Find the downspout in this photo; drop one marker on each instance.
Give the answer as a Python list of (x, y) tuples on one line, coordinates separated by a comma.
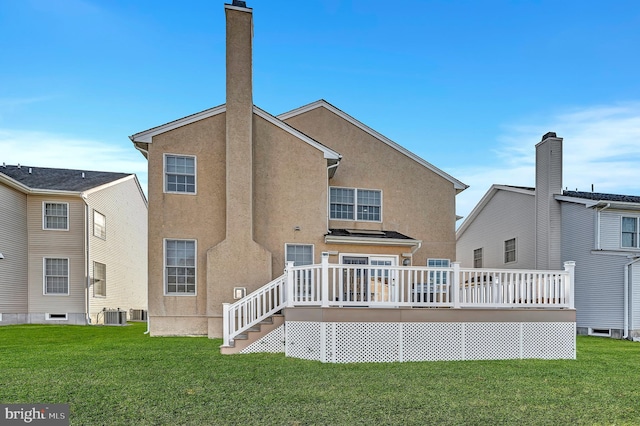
[(329, 191), (86, 221), (627, 270), (598, 225)]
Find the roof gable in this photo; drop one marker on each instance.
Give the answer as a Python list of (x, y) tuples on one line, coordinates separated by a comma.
[(487, 197), (146, 136), (458, 185)]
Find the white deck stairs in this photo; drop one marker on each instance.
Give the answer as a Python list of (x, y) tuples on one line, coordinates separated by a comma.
[(252, 334)]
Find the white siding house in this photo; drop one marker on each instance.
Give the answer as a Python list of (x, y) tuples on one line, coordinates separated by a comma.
[(73, 245), (600, 232)]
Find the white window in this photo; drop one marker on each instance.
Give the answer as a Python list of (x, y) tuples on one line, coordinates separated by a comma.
[(300, 254), (180, 174), (99, 279), (55, 216), (56, 276), (438, 277), (99, 225), (180, 267), (353, 203), (630, 230), (510, 251), (477, 258)]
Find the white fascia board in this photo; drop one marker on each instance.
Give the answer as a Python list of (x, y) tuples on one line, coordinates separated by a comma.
[(35, 191), (587, 203), (330, 239), (328, 152), (322, 103), (117, 182), (147, 135)]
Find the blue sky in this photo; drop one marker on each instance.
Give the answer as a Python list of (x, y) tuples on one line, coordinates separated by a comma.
[(470, 86)]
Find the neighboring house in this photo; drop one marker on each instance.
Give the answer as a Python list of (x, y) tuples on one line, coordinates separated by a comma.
[(539, 228), (235, 193), (73, 243)]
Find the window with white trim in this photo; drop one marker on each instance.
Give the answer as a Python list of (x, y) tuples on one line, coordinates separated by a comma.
[(355, 204), (56, 276), (99, 279), (180, 267), (180, 174), (630, 229), (438, 277), (300, 254), (99, 225), (55, 216), (477, 258), (510, 251)]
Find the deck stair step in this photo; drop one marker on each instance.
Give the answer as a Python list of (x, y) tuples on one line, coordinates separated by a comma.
[(253, 334)]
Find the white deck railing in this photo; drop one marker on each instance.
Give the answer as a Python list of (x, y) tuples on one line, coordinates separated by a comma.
[(338, 285)]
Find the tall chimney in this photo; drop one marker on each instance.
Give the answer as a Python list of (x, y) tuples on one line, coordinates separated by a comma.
[(239, 118), (548, 217), (238, 260)]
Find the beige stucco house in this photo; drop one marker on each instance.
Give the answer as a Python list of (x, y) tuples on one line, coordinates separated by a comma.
[(72, 244), (235, 192)]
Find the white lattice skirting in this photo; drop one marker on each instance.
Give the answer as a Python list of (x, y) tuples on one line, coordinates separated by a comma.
[(341, 342)]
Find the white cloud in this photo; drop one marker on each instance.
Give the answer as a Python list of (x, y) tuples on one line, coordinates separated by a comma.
[(601, 148), (41, 149)]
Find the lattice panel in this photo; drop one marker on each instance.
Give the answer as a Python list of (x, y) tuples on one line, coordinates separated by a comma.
[(433, 341), (302, 340), (491, 340), (549, 340), (364, 342), (272, 342)]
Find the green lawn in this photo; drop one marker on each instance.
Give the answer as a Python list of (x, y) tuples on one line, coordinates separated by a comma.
[(119, 376)]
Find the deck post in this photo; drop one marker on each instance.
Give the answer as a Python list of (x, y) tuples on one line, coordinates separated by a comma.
[(456, 284), (225, 324), (289, 285), (570, 267), (325, 279)]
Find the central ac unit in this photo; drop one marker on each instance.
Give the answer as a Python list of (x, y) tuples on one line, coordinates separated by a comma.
[(138, 314), (115, 317)]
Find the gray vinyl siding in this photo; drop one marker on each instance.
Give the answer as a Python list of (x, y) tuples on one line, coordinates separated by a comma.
[(56, 244), (13, 246), (599, 277), (507, 215), (124, 250), (634, 282)]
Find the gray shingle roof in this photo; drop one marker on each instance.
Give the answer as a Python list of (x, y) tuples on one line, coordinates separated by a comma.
[(59, 179), (597, 196)]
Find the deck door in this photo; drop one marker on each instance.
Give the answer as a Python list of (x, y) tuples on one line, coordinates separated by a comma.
[(369, 284)]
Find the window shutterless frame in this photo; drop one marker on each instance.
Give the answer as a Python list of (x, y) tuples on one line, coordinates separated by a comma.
[(55, 274), (55, 216), (99, 225), (355, 204), (180, 174), (179, 267)]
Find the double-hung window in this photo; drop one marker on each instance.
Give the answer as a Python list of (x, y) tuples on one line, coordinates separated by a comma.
[(510, 251), (180, 174), (300, 254), (99, 225), (99, 279), (55, 216), (56, 276), (355, 204), (477, 258), (180, 267), (630, 230)]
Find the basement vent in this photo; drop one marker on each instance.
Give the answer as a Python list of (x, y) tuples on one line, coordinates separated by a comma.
[(603, 332), (138, 314), (115, 317), (56, 317)]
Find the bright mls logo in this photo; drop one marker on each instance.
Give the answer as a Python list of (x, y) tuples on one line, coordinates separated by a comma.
[(35, 414)]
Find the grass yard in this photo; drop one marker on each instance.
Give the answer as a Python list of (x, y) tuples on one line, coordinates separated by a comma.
[(119, 376)]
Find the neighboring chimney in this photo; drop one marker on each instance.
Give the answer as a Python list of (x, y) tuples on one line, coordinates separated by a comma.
[(548, 216), (239, 121)]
